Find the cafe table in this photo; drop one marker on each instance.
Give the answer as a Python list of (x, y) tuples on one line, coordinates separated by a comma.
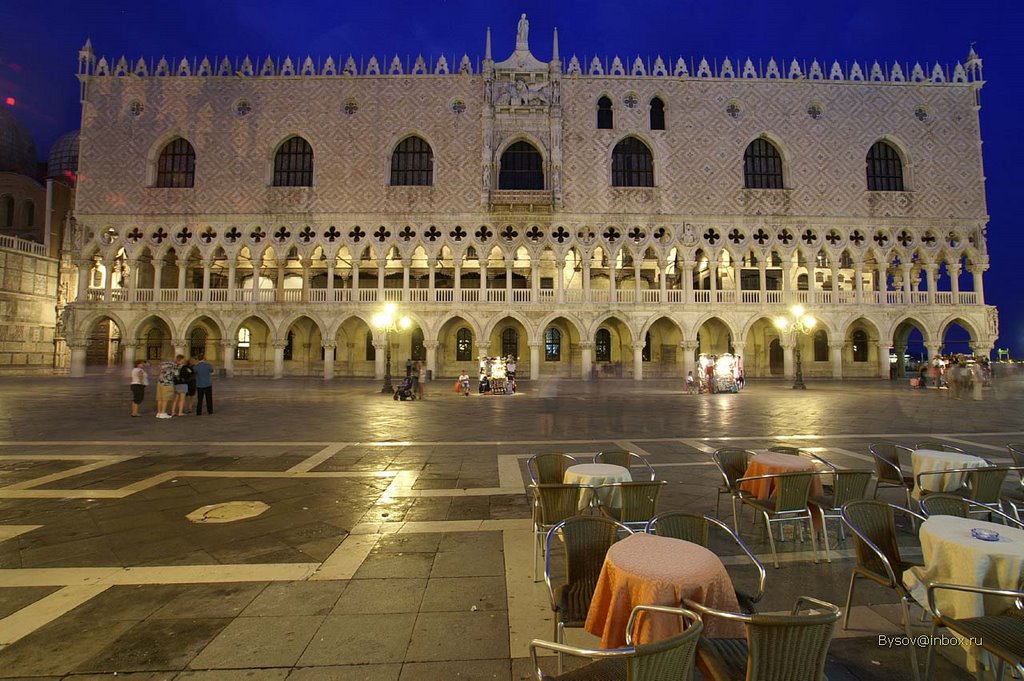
[(770, 463), (928, 460), (594, 475)]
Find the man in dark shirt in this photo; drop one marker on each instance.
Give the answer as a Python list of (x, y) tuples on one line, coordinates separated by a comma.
[(203, 371)]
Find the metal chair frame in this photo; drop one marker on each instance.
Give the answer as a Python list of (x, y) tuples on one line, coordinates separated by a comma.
[(969, 488), (537, 473), (627, 513), (841, 494), (941, 447), (966, 505), (601, 457), (730, 485), (1014, 500), (544, 519), (889, 472), (786, 509)]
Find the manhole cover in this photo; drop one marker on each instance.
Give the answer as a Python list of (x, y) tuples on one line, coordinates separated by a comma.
[(228, 512)]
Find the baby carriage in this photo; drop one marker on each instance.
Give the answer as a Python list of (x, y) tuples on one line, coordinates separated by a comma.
[(404, 391)]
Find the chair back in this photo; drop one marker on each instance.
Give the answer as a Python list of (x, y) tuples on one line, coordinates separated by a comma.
[(849, 485), (790, 646), (731, 463), (691, 527), (557, 502), (792, 491), (940, 447), (547, 469), (585, 541), (986, 484), (784, 449), (873, 521), (670, 658), (1016, 450), (887, 461), (945, 504), (639, 500), (628, 460)]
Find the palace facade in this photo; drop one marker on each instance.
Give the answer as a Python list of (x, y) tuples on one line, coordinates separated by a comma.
[(594, 218)]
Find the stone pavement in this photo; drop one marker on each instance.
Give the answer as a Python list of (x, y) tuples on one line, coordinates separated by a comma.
[(396, 541)]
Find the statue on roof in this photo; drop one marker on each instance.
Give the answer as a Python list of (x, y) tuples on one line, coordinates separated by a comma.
[(522, 33)]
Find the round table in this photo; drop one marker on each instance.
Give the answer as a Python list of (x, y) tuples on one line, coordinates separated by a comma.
[(593, 475), (768, 463), (645, 569), (925, 460)]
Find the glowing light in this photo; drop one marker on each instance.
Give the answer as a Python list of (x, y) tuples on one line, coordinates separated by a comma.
[(405, 322), (798, 311), (809, 321), (10, 101), (781, 323)]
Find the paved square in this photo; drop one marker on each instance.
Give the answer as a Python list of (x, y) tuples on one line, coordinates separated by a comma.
[(397, 541)]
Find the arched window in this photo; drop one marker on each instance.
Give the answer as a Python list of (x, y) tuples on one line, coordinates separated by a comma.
[(885, 168), (860, 346), (293, 163), (464, 345), (28, 213), (510, 343), (371, 352), (412, 163), (197, 342), (176, 166), (762, 165), (521, 167), (820, 346), (657, 114), (801, 282), (154, 344), (552, 345), (417, 351), (242, 343), (7, 210), (645, 355), (632, 164), (289, 348), (604, 114), (603, 346)]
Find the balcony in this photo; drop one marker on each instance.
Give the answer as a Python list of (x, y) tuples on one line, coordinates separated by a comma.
[(515, 200)]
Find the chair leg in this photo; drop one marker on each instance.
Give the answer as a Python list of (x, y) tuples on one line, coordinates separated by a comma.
[(814, 537), (560, 637), (849, 601), (736, 515), (824, 532), (771, 540), (536, 546), (930, 659), (914, 671), (718, 505)]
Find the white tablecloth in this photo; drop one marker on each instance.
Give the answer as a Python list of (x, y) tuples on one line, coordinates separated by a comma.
[(594, 474), (924, 460)]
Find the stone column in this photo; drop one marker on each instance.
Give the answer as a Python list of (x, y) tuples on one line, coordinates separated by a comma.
[(379, 358), (483, 348), (738, 348), (586, 359), (612, 286), (158, 276), (883, 282), (560, 281), (689, 363), (637, 265), (329, 347), (431, 278), (858, 281), (979, 282), (811, 276), (883, 359), (228, 352), (206, 280), (84, 270), (306, 265), (180, 346), (133, 277), (787, 281), (330, 280), (431, 348), (108, 281), (662, 281), (129, 357), (406, 264), (483, 280), (508, 281), (638, 360), (982, 349), (182, 270), (457, 281), (586, 280), (380, 278), (933, 350), (255, 283), (78, 349), (355, 280), (688, 281), (713, 279), (232, 284), (906, 284), (930, 272), (762, 278), (535, 360), (954, 281), (788, 367), (534, 280), (835, 353), (279, 347)]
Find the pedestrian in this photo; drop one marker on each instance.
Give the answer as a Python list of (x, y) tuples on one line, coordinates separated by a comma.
[(976, 381), (165, 389), (953, 380), (203, 372), (190, 395), (140, 379), (690, 383), (421, 384), (413, 376), (184, 373), (510, 368), (408, 367), (464, 382)]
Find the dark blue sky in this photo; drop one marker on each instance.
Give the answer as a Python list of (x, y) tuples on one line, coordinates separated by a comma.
[(39, 42)]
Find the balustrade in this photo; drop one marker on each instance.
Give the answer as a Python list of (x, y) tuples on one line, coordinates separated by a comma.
[(521, 295), (894, 297), (545, 295), (726, 296), (943, 297), (627, 295), (218, 295), (367, 295), (702, 296), (419, 295), (750, 296), (495, 295), (651, 295), (143, 295), (318, 295), (774, 297), (574, 295), (675, 296), (968, 298), (470, 295), (193, 295), (600, 295), (444, 295), (343, 295), (823, 297)]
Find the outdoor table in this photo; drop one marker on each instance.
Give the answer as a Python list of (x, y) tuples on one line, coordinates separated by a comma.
[(769, 463), (645, 569), (594, 474), (924, 460), (953, 556)]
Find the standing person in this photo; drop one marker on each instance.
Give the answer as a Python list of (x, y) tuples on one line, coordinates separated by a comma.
[(408, 367), (464, 382), (953, 380), (510, 368), (976, 381), (184, 372), (165, 389), (421, 384), (140, 379), (414, 378), (190, 396), (203, 372), (690, 383)]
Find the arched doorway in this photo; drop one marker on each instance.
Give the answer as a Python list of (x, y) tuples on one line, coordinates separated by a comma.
[(908, 340), (762, 343), (776, 358), (104, 349)]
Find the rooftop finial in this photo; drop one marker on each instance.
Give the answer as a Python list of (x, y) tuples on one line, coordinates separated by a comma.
[(554, 47), (487, 46), (522, 34)]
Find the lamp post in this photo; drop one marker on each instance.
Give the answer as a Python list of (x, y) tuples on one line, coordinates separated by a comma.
[(799, 323), (387, 322)]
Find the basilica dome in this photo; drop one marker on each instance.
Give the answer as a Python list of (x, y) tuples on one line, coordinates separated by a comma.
[(63, 161), (17, 150)]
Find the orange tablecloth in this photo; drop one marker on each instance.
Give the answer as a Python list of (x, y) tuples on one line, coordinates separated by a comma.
[(645, 569), (768, 463)]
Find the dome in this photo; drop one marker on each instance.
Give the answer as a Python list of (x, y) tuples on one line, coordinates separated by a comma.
[(63, 162), (17, 150)]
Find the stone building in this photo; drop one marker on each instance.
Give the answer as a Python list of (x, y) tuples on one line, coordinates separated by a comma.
[(593, 217)]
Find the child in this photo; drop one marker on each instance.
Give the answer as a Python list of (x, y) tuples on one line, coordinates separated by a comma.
[(140, 379), (689, 383), (464, 382)]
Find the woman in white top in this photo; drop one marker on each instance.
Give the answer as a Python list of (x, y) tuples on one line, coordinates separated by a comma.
[(140, 379)]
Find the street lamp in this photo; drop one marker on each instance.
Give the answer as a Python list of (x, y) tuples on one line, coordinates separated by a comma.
[(800, 323), (385, 321)]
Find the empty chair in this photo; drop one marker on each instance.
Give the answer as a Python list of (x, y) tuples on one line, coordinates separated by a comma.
[(940, 447), (789, 502), (847, 485), (638, 466), (671, 658), (731, 464), (956, 505), (548, 469), (1014, 498), (887, 468), (553, 504), (873, 525), (982, 485), (693, 527), (585, 541), (1016, 452), (793, 646), (631, 503)]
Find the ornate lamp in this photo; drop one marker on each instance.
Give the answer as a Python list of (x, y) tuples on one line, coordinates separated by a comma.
[(798, 323), (387, 322)]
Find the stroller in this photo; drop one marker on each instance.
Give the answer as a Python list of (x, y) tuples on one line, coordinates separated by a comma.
[(404, 391)]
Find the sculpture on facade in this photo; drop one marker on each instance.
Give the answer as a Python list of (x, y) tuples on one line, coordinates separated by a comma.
[(522, 42)]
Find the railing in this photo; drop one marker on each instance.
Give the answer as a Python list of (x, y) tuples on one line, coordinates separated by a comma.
[(391, 295), (802, 297), (193, 295), (17, 244), (218, 295), (495, 295), (419, 295), (470, 295), (872, 297), (774, 297), (318, 295), (943, 297), (545, 295), (750, 297), (823, 297), (95, 295), (702, 296), (727, 296), (243, 295), (143, 295), (969, 298), (600, 295), (574, 295), (674, 296), (626, 295), (343, 295), (652, 295), (367, 295), (444, 295), (894, 297), (266, 295), (919, 297), (291, 295), (521, 295), (846, 297)]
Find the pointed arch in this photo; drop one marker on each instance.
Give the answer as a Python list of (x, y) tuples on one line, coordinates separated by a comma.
[(632, 163), (412, 162), (617, 317), (657, 113), (134, 331), (531, 330), (521, 166), (884, 166), (293, 163), (605, 116), (763, 166), (175, 165)]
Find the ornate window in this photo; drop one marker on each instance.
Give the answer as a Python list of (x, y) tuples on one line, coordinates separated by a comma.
[(657, 114), (522, 167), (860, 346), (154, 344), (28, 213), (7, 211), (604, 114), (509, 343), (632, 164), (820, 346), (884, 168), (552, 345), (603, 346), (289, 348), (371, 352), (464, 345), (418, 351), (645, 354), (176, 166), (762, 165), (293, 163), (412, 163), (197, 343)]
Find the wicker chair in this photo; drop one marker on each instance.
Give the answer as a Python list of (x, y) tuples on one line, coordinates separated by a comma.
[(956, 505), (1001, 634), (731, 464), (848, 485), (693, 527), (628, 460), (940, 447), (671, 658), (639, 502), (1013, 499), (549, 469), (553, 504), (873, 525), (788, 503), (585, 541), (791, 646), (887, 468), (981, 485)]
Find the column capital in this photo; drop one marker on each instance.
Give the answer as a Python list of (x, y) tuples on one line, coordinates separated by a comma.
[(430, 344), (638, 345), (586, 345), (328, 345), (536, 344), (836, 345), (483, 345), (130, 343), (179, 342), (689, 344), (228, 343), (77, 343), (279, 344)]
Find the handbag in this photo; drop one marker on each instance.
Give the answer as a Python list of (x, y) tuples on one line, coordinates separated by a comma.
[(458, 385)]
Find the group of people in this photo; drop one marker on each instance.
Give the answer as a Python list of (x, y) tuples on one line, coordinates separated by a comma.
[(959, 374), (179, 383), (415, 378), (716, 374)]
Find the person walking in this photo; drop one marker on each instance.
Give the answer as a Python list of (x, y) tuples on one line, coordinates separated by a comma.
[(181, 385), (190, 394), (421, 384), (203, 372), (140, 379), (165, 389)]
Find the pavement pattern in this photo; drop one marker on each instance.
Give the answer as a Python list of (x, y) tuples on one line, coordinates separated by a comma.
[(396, 542)]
